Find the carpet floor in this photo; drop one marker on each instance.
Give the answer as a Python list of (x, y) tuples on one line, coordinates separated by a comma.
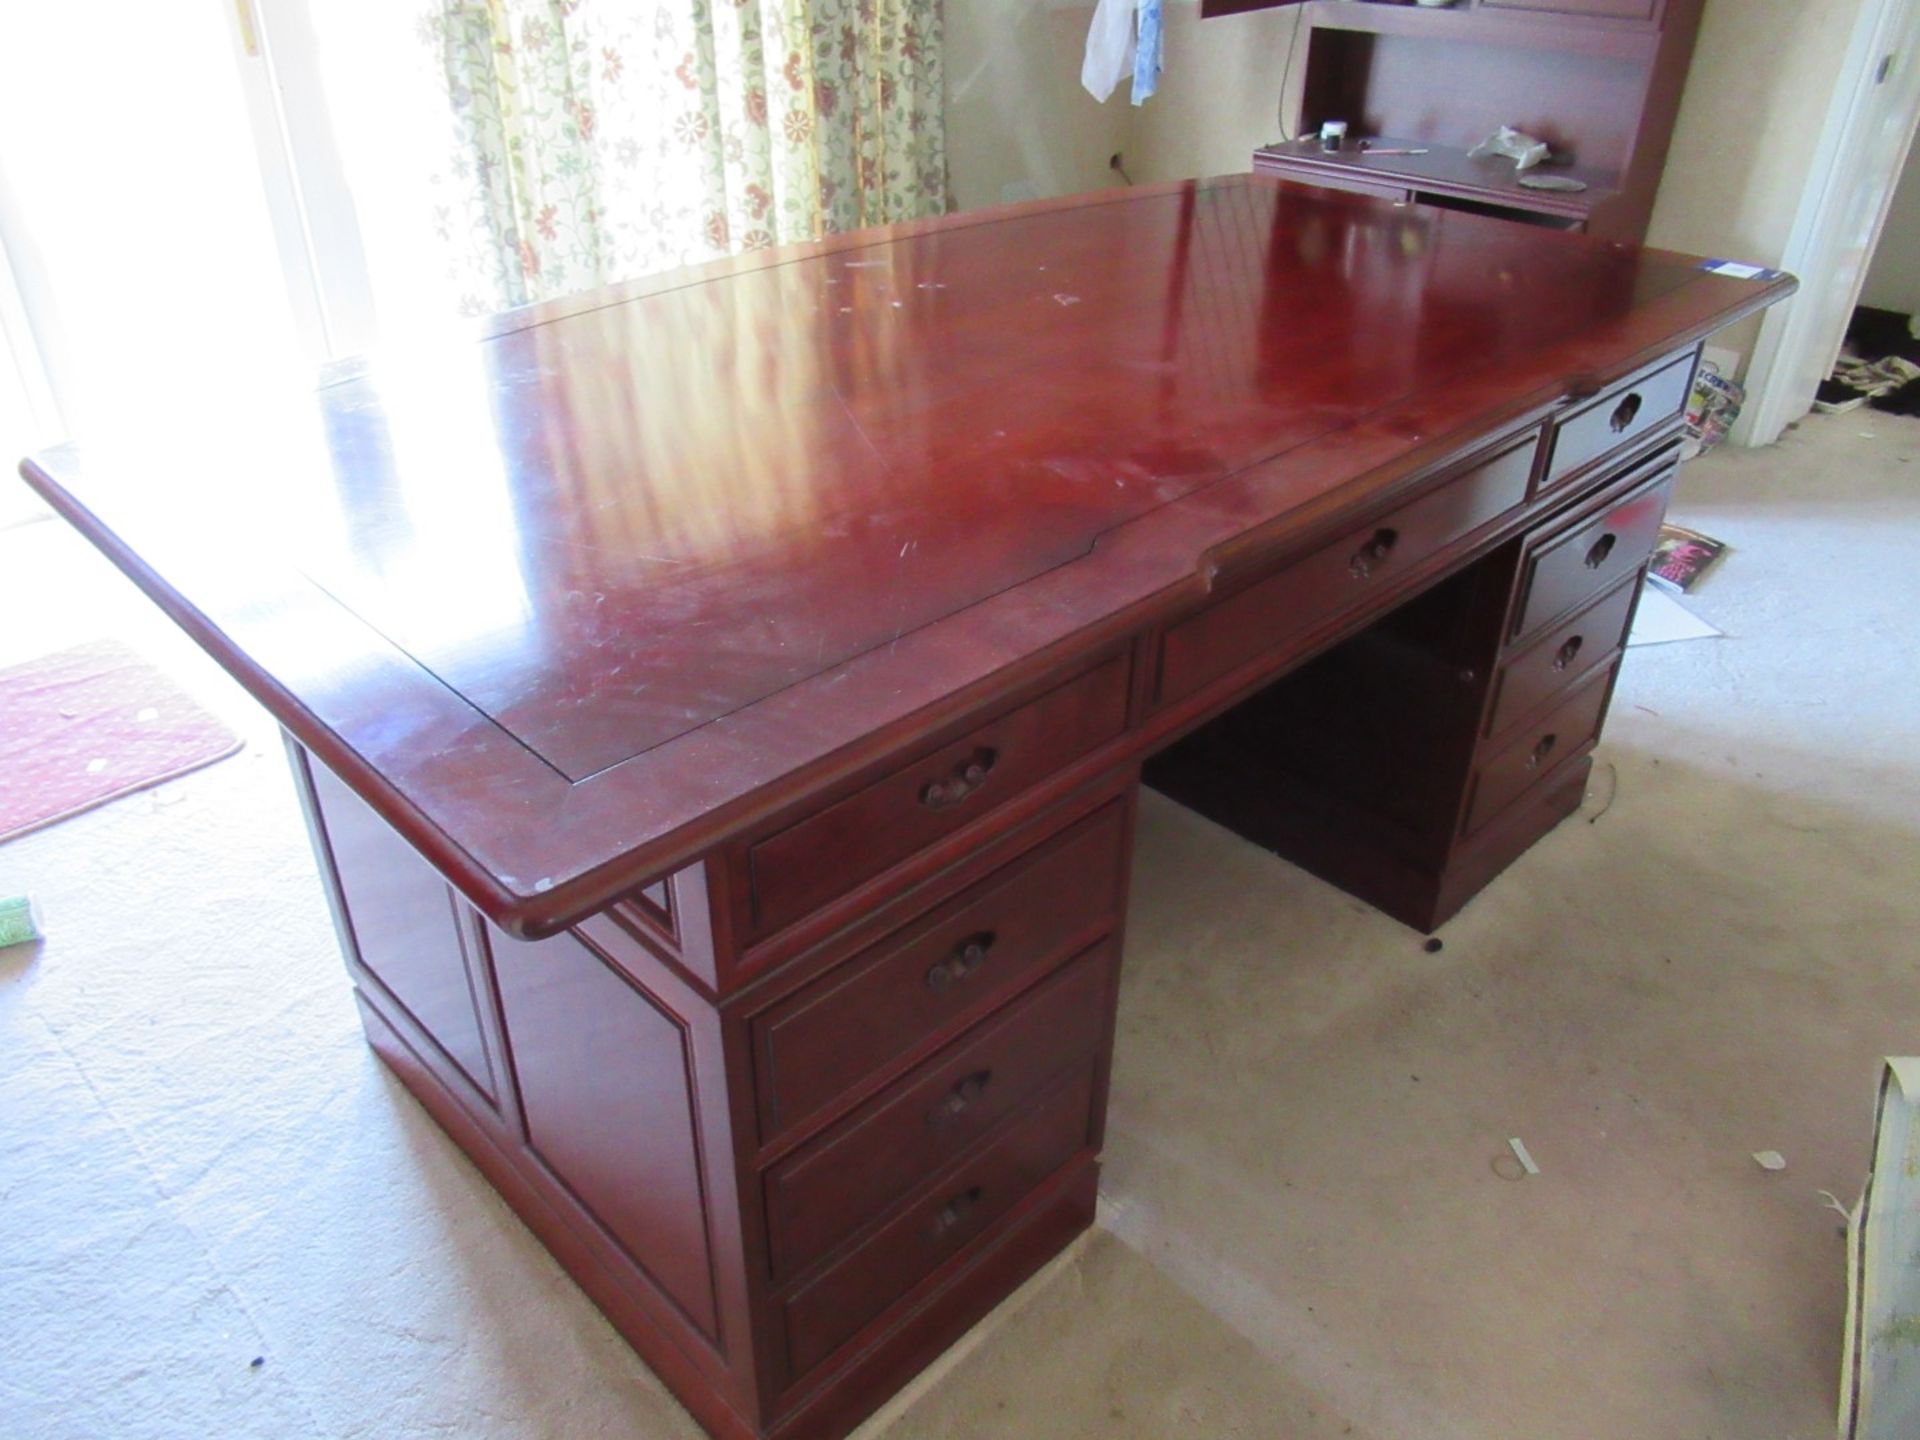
[(220, 1216)]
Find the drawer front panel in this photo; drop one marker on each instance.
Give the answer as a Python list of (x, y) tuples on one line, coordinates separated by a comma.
[(1330, 581), (1619, 418), (831, 1309), (1561, 657), (848, 1176), (1329, 179), (940, 974), (1539, 749), (1592, 554), (807, 864)]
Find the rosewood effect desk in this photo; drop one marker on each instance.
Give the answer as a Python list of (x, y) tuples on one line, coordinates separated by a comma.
[(719, 701)]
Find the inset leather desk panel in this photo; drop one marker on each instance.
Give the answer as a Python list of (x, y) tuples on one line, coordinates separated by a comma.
[(1342, 575), (810, 862), (942, 972), (853, 1172)]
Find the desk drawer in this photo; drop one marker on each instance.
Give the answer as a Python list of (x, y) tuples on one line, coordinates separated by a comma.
[(808, 863), (961, 1207), (846, 1177), (1560, 657), (1329, 178), (1328, 582), (940, 974), (1539, 749), (1593, 553), (1619, 418)]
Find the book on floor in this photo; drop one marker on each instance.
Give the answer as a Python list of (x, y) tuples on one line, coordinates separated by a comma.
[(1682, 556)]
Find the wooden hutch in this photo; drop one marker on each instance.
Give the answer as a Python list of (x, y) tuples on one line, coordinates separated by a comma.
[(1598, 80)]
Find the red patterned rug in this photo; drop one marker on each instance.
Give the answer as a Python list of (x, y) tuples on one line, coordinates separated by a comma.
[(88, 725)]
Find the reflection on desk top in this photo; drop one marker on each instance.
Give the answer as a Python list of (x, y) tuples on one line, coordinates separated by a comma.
[(627, 560)]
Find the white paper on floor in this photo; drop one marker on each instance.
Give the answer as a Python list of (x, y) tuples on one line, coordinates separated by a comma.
[(1880, 1382), (1661, 619)]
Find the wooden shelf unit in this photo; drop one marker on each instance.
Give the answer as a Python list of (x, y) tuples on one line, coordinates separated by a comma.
[(1598, 80)]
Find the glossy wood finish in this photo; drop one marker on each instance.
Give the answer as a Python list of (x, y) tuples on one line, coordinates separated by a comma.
[(1618, 421), (938, 975), (1598, 80), (956, 1206), (568, 608), (1593, 552), (719, 702), (852, 1172), (1565, 653), (792, 872)]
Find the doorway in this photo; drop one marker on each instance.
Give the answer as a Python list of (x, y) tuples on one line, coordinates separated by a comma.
[(1842, 217)]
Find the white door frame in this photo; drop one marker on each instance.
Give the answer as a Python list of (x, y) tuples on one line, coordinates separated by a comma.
[(308, 198), (1829, 249)]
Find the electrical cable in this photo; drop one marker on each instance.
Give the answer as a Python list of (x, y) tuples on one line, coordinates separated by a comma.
[(1286, 67)]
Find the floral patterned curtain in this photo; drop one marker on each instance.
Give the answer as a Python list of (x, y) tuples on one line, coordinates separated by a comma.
[(601, 139)]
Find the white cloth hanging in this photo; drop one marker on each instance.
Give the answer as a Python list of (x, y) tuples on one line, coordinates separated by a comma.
[(1110, 48)]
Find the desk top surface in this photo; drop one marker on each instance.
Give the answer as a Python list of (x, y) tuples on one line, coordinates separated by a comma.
[(583, 588)]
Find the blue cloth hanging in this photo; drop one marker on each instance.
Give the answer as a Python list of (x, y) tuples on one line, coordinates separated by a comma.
[(1147, 53)]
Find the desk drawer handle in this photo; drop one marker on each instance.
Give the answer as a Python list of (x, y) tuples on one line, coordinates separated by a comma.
[(1541, 751), (1598, 552), (955, 1211), (960, 1098), (968, 956), (1373, 553), (1563, 657), (968, 776), (1624, 412)]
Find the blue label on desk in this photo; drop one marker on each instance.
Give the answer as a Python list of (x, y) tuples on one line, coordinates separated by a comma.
[(1740, 271)]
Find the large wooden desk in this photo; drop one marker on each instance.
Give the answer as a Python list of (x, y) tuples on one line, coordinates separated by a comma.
[(720, 701)]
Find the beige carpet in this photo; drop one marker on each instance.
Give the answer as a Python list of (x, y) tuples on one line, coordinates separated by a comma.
[(1304, 1234)]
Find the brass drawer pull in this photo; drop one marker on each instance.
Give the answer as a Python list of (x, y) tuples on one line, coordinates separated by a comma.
[(967, 777), (1564, 656), (961, 1097), (1374, 552), (1624, 412), (955, 1211), (968, 956), (1541, 751), (1598, 552)]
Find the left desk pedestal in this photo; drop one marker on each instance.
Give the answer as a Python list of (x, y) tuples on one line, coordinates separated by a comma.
[(791, 1198)]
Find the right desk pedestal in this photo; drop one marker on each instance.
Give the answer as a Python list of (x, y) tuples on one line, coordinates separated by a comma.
[(1414, 761)]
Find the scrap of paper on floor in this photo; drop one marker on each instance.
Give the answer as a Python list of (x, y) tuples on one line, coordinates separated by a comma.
[(1661, 619)]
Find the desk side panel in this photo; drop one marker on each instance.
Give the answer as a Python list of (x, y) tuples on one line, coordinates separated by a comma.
[(593, 1093)]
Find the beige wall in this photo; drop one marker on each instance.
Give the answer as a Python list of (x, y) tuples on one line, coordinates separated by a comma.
[(1763, 73), (1756, 100), (1019, 127), (1219, 97), (1893, 280)]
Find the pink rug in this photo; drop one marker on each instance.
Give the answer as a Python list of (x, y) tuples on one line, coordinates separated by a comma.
[(88, 725)]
